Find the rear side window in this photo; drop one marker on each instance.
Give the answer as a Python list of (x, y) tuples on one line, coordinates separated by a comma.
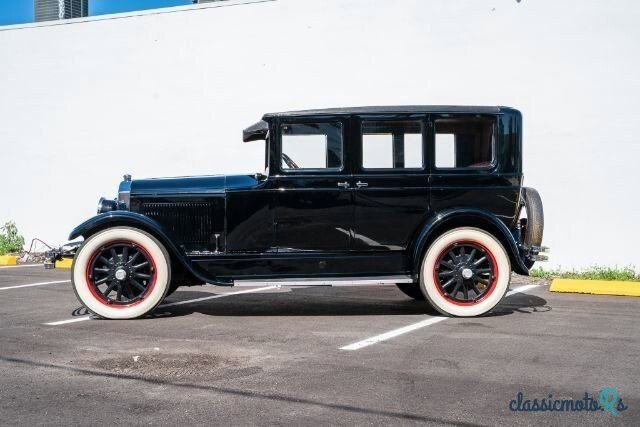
[(392, 145), (311, 146), (464, 143)]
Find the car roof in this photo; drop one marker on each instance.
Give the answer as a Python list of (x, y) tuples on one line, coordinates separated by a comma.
[(393, 109)]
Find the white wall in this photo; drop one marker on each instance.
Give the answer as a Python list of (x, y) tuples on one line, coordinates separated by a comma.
[(168, 94)]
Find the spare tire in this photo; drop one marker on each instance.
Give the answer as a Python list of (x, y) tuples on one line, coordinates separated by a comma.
[(535, 217)]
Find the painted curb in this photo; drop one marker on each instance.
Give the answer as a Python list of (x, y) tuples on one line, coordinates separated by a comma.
[(596, 287), (64, 263), (8, 260)]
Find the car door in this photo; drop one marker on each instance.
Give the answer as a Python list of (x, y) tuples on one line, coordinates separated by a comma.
[(312, 200), (391, 194), (466, 169)]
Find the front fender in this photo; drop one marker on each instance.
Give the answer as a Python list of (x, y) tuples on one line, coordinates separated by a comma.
[(468, 217), (114, 218), (133, 219)]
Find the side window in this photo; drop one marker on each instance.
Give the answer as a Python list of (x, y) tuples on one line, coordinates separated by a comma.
[(391, 145), (311, 146), (464, 143)]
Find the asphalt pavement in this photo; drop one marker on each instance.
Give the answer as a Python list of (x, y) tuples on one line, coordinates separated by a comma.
[(314, 355)]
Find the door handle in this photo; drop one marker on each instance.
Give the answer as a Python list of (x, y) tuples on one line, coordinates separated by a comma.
[(362, 184), (343, 184)]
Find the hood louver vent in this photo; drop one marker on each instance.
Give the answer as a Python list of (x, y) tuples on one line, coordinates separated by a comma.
[(191, 224)]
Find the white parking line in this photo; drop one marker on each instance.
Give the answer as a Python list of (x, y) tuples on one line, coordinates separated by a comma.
[(520, 289), (391, 334), (189, 301), (64, 322), (405, 329), (21, 266), (35, 284), (171, 304)]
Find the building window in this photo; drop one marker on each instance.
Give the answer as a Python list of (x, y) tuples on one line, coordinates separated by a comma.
[(392, 145), (464, 143), (311, 146)]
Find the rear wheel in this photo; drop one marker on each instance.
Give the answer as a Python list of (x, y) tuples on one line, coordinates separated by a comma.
[(121, 273), (465, 272), (411, 290)]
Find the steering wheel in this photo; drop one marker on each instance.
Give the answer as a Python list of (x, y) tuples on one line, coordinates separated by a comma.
[(289, 162)]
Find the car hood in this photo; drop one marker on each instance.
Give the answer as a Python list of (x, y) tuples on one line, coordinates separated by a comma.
[(188, 185)]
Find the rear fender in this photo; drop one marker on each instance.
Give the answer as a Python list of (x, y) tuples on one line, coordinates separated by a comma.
[(466, 217)]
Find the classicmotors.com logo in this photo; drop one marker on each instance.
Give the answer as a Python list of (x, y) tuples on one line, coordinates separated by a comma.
[(608, 401)]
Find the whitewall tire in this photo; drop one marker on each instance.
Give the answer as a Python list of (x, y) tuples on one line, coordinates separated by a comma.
[(121, 273), (465, 272)]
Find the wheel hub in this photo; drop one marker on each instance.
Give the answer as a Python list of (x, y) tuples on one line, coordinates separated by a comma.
[(121, 274), (464, 272)]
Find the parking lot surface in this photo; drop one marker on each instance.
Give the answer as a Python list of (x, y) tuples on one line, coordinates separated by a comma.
[(314, 355)]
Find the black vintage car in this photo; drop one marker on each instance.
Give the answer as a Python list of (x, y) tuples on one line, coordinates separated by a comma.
[(428, 198)]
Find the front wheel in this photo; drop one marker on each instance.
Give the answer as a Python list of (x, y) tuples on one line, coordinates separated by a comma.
[(121, 273), (465, 272)]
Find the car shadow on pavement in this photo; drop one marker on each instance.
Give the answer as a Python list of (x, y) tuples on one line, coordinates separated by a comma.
[(300, 302), (521, 303)]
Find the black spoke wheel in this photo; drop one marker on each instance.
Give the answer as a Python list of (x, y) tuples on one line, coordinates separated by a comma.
[(465, 272), (121, 273)]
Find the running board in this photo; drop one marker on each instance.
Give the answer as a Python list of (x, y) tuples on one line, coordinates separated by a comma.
[(328, 281)]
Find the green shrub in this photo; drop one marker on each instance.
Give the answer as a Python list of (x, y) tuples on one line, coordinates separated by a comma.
[(10, 240), (626, 274)]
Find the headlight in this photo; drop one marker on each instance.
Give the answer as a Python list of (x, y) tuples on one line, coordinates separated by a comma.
[(124, 193), (124, 199), (105, 205)]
